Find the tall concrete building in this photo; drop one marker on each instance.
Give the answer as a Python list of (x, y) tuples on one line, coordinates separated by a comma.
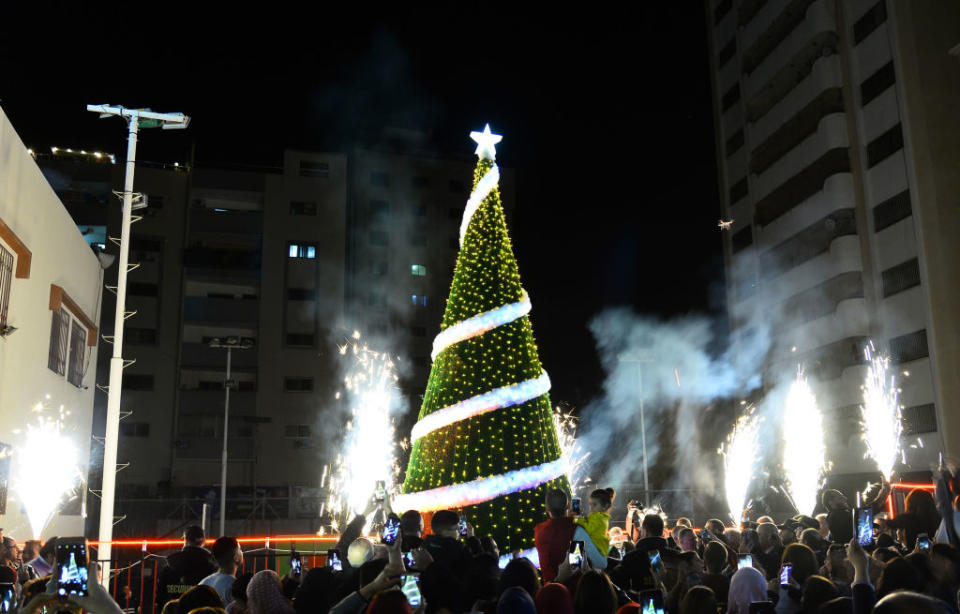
[(838, 144), (293, 259)]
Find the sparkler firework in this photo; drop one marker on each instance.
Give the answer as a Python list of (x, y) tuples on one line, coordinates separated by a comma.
[(45, 467), (881, 424), (570, 449), (803, 450), (739, 459), (368, 446)]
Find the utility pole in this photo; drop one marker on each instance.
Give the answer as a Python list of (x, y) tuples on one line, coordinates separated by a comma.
[(136, 119), (230, 344)]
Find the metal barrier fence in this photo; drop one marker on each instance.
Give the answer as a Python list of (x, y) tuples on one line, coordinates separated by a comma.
[(137, 564)]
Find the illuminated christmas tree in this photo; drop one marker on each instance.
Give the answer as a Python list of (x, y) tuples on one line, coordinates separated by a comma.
[(485, 441)]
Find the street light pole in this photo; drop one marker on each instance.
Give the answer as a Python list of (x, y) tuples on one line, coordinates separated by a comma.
[(134, 117), (230, 344), (640, 360)]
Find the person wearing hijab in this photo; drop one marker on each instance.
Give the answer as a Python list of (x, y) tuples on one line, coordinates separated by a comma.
[(746, 586), (516, 600), (554, 598), (265, 595)]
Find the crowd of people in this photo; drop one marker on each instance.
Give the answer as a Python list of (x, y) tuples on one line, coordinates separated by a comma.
[(583, 566)]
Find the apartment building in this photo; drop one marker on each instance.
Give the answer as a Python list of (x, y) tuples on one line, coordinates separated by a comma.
[(50, 283), (837, 141), (289, 260)]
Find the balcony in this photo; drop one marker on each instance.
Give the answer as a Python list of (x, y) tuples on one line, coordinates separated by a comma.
[(843, 257), (242, 402), (835, 194), (221, 311), (206, 220), (801, 25), (826, 362), (807, 244), (211, 448), (831, 134), (826, 74), (200, 356), (206, 262), (803, 185)]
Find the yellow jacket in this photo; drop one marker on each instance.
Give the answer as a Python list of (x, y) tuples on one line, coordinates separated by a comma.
[(596, 525)]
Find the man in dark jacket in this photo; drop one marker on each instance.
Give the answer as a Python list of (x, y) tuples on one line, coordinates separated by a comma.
[(444, 544), (186, 568), (636, 564)]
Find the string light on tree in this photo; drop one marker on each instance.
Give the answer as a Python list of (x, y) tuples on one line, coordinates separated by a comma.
[(485, 439)]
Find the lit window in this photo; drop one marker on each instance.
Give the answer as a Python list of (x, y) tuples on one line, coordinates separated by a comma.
[(419, 270), (418, 300), (302, 251)]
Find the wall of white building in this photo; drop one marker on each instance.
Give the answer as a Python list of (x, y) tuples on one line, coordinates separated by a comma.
[(59, 256)]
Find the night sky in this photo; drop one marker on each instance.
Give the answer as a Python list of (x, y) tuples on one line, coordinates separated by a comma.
[(606, 120)]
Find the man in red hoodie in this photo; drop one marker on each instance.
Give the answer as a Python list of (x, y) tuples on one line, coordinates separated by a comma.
[(552, 537)]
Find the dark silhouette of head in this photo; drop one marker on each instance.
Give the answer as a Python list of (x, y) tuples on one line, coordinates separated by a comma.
[(595, 594), (193, 536), (556, 502)]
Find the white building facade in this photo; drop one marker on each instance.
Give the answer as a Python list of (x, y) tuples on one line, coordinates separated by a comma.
[(50, 284), (837, 161)]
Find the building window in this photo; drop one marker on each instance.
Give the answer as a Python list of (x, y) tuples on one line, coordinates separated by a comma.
[(418, 331), (419, 210), (741, 240), (310, 168), (898, 278), (133, 381), (296, 430), (206, 384), (919, 419), (738, 190), (418, 270), (734, 143), (726, 53), (301, 294), (67, 340), (298, 384), (418, 239), (379, 210), (420, 182), (891, 211), (418, 300), (378, 268), (78, 338), (247, 385), (909, 347), (721, 11), (731, 97), (877, 83), (302, 207), (302, 250), (135, 429), (300, 339), (884, 146), (870, 21), (139, 336), (380, 179), (6, 281), (379, 238)]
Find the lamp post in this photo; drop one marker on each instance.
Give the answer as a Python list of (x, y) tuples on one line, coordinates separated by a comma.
[(136, 119), (640, 359), (229, 344)]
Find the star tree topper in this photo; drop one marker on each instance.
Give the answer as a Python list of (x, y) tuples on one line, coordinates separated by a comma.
[(486, 142)]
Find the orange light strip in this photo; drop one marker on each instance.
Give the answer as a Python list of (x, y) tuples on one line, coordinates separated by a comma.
[(891, 510), (242, 540)]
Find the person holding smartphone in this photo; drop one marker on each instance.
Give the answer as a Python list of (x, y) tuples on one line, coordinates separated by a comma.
[(445, 545)]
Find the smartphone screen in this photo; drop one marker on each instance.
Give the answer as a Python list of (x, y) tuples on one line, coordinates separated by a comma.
[(7, 597), (651, 602), (705, 535), (923, 542), (575, 506), (463, 525), (334, 561), (744, 560), (295, 563), (408, 561), (865, 527), (656, 563), (390, 531), (576, 554), (785, 572), (411, 588), (381, 490), (72, 561)]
